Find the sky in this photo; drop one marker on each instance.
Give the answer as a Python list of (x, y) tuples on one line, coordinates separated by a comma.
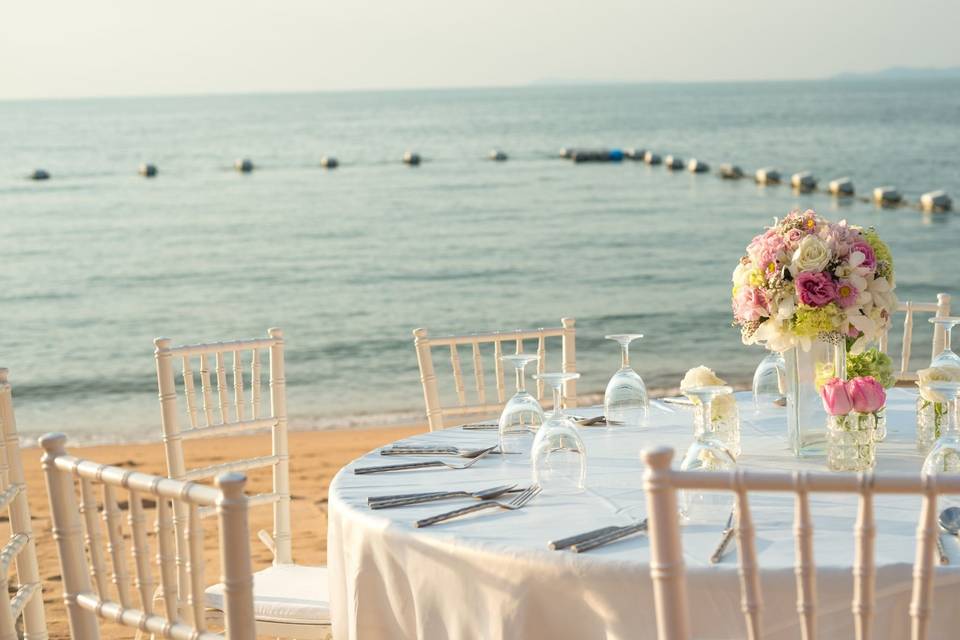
[(71, 48)]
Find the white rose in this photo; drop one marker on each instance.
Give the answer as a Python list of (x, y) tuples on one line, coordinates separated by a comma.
[(813, 254), (936, 374), (741, 275)]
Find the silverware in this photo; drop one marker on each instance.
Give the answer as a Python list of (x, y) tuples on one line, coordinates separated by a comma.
[(613, 536), (387, 502), (944, 559), (563, 543), (661, 406), (423, 450), (517, 503), (424, 465), (589, 422), (683, 402), (481, 426), (728, 531), (949, 521)]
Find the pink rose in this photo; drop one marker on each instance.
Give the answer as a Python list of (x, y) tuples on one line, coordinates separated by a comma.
[(869, 257), (847, 294), (792, 239), (750, 304), (866, 394), (836, 400), (815, 289)]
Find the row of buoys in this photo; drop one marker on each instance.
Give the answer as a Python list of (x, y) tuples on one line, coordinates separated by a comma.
[(802, 181)]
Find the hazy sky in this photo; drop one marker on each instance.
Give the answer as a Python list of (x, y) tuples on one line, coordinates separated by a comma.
[(128, 47)]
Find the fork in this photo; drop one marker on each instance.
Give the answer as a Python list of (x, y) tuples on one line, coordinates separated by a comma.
[(613, 536), (424, 465), (418, 450), (386, 502), (725, 540), (517, 503)]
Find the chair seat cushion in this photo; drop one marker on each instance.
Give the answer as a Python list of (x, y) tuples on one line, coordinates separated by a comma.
[(285, 593)]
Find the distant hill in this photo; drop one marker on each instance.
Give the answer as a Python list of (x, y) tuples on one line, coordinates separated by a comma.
[(902, 73)]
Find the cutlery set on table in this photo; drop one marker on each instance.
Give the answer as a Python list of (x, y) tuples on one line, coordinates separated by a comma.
[(505, 497)]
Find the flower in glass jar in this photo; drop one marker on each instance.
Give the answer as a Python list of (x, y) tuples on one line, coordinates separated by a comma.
[(936, 374), (836, 400), (722, 406), (866, 393)]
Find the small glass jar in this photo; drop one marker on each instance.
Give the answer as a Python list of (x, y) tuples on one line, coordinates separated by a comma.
[(881, 433), (852, 442), (931, 419), (725, 423)]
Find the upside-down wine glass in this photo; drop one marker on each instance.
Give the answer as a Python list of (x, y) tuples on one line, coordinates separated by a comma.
[(625, 401), (522, 415), (559, 457), (944, 457), (769, 382), (707, 453), (947, 357)]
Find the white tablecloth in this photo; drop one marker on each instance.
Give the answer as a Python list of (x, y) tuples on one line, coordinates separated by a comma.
[(492, 575)]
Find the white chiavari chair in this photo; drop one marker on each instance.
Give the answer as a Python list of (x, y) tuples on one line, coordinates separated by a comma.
[(290, 600), (661, 484), (97, 582), (478, 403), (20, 550), (939, 309)]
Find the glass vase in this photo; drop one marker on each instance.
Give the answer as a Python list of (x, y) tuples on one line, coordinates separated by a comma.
[(931, 419), (725, 423), (806, 419), (852, 442)]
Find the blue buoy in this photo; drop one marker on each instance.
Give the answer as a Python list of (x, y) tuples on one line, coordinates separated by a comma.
[(616, 155)]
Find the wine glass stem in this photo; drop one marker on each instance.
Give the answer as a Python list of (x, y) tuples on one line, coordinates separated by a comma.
[(557, 390), (948, 330), (707, 417), (625, 355), (521, 378)]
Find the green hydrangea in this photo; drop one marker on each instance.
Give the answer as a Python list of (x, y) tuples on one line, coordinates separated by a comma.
[(872, 362), (880, 248), (810, 322)]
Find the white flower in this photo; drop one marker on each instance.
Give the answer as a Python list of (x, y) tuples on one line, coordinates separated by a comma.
[(936, 374), (741, 275), (813, 254), (775, 334), (705, 377)]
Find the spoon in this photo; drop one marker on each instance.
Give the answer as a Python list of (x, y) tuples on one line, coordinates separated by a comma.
[(949, 521)]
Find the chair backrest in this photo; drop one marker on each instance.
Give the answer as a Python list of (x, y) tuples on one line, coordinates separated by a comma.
[(91, 593), (479, 402), (666, 553), (28, 598), (939, 309), (223, 409)]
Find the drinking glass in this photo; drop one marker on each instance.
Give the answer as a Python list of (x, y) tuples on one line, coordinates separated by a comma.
[(725, 421), (944, 457), (947, 357), (559, 457), (625, 401), (522, 415), (707, 453), (769, 382)]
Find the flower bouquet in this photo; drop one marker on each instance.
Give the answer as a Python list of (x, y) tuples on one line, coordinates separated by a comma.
[(807, 283), (932, 407), (852, 407)]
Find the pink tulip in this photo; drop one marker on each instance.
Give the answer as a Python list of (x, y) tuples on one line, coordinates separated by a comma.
[(867, 394), (836, 400)]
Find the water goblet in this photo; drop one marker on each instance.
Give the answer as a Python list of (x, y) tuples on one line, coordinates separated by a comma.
[(947, 357), (769, 382), (558, 456), (944, 457), (625, 401), (522, 415), (707, 453)]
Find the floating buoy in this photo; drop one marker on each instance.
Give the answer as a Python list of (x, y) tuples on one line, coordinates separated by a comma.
[(697, 166), (566, 152), (841, 187), (243, 165), (329, 162), (730, 172), (597, 155), (803, 181), (635, 154), (412, 158), (147, 170), (936, 201), (497, 156), (767, 175), (673, 163), (651, 158), (886, 195), (39, 174)]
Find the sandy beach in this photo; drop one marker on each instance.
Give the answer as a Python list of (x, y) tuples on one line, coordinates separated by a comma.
[(316, 458)]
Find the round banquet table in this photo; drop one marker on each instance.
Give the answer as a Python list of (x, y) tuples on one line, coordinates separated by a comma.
[(491, 575)]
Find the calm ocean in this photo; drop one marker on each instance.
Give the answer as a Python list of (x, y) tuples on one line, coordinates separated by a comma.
[(98, 261)]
